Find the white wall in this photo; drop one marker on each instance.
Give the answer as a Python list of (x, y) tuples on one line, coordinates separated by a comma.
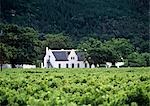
[(63, 64), (52, 58), (6, 66), (29, 66)]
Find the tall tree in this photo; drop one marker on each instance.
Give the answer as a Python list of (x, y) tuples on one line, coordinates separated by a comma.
[(111, 51), (22, 44), (122, 47), (97, 53), (147, 58), (57, 41), (136, 60)]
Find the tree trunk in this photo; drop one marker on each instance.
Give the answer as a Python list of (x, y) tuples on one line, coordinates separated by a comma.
[(12, 63)]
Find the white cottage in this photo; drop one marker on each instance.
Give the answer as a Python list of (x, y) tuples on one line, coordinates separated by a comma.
[(65, 59)]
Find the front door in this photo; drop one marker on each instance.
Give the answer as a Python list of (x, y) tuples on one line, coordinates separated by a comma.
[(72, 65), (48, 64)]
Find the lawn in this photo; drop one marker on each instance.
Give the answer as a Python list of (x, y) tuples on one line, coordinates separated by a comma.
[(75, 87)]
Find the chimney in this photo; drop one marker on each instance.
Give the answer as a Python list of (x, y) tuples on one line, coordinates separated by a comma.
[(46, 50)]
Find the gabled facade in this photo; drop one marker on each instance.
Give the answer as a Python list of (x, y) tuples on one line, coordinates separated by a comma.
[(64, 59)]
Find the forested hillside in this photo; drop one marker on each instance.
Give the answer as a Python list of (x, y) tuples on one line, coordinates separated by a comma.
[(81, 18), (77, 20)]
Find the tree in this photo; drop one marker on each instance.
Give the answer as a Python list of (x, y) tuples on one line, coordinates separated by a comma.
[(91, 46), (57, 41), (136, 60), (147, 58), (97, 53), (110, 51), (21, 44), (120, 46)]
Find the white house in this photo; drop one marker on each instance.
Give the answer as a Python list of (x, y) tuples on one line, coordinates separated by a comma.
[(65, 59)]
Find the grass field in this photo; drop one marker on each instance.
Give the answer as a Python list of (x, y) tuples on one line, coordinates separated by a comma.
[(75, 87)]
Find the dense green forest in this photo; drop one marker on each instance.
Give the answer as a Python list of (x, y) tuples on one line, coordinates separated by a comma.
[(73, 23)]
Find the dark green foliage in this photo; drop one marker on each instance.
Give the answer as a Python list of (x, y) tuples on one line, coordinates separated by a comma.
[(135, 59), (110, 51), (57, 41), (66, 23), (139, 97), (146, 58), (81, 18), (19, 44)]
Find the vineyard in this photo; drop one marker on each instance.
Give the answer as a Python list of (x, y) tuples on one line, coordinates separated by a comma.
[(75, 87)]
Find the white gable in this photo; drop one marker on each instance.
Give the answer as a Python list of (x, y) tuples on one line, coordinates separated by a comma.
[(73, 56)]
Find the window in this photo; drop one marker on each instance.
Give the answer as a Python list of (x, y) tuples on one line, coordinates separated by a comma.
[(72, 65), (78, 65), (72, 58), (85, 65), (59, 65), (66, 65)]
